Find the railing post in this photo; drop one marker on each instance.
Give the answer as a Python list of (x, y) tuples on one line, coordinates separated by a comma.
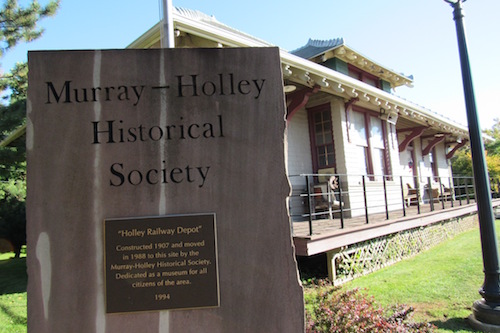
[(365, 199), (467, 190), (309, 204), (417, 187), (330, 196), (385, 198), (402, 195), (429, 193), (441, 192), (452, 191), (460, 195), (341, 205)]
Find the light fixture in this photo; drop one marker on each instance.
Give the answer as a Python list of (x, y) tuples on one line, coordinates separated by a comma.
[(390, 116)]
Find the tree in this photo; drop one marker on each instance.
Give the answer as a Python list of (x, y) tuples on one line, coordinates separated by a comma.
[(17, 25), (13, 157), (493, 148), (461, 163)]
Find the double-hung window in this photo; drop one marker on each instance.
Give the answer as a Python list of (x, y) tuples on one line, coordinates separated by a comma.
[(321, 133), (367, 132)]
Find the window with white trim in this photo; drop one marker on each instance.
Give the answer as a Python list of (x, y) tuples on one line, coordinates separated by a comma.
[(321, 132), (368, 133)]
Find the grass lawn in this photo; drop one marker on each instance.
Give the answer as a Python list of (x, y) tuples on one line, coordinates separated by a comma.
[(13, 281), (441, 283)]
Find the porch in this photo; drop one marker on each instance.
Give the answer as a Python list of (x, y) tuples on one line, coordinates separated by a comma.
[(343, 214)]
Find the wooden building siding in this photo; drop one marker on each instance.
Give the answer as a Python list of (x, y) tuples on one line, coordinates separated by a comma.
[(350, 161), (299, 161), (299, 147), (375, 199)]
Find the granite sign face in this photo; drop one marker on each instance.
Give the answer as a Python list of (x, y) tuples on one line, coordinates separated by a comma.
[(157, 193)]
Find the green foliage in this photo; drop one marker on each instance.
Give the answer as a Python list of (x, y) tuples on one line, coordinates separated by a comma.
[(17, 82), (493, 148), (13, 216), (13, 161), (334, 310), (461, 163), (493, 162), (18, 24), (12, 116)]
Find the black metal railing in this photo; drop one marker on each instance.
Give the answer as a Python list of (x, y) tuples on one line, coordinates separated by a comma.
[(340, 197)]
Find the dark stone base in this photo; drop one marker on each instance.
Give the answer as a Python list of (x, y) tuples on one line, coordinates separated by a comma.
[(485, 317), (482, 327)]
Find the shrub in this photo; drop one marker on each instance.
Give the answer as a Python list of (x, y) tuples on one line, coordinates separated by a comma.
[(333, 310)]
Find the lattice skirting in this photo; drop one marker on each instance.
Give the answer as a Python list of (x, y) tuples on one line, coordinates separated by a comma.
[(362, 258)]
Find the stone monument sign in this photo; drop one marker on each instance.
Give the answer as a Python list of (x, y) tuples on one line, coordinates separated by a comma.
[(157, 193)]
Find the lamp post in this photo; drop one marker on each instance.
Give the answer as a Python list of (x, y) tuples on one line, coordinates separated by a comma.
[(167, 40), (486, 312)]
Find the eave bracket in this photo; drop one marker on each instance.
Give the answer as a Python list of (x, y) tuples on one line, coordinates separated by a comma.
[(299, 99), (432, 144), (415, 133), (455, 149)]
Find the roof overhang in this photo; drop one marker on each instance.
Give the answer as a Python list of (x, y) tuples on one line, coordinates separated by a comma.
[(205, 28), (310, 74), (348, 55)]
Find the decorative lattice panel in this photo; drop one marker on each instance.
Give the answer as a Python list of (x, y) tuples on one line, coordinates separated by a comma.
[(362, 258)]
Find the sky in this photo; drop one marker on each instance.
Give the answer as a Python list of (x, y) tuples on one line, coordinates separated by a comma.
[(411, 37)]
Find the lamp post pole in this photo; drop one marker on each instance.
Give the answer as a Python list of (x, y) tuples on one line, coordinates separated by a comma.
[(487, 310), (167, 40)]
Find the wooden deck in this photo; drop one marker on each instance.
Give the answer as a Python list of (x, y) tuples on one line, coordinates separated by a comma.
[(328, 234)]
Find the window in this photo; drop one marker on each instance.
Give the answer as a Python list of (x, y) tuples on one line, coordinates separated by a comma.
[(368, 133), (365, 77), (434, 166), (378, 146), (321, 133)]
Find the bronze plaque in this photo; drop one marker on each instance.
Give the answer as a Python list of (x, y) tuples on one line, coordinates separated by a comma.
[(161, 263)]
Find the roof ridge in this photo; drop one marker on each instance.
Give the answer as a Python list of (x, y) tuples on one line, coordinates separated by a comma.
[(195, 14), (314, 44), (325, 42), (200, 16)]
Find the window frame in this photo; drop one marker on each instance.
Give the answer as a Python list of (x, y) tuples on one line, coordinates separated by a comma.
[(312, 136), (433, 164), (363, 76), (369, 149)]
